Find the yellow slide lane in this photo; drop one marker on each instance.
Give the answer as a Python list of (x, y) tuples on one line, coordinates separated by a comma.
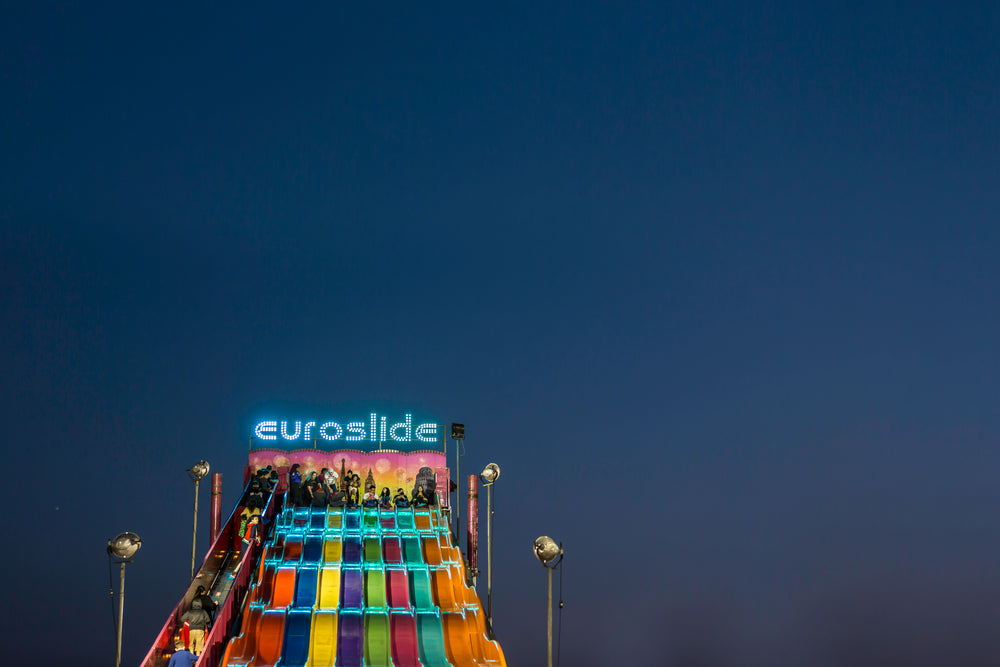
[(332, 549), (329, 587), (323, 639)]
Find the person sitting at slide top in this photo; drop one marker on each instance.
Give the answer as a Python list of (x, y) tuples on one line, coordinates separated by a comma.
[(318, 495), (400, 498), (294, 486), (384, 498), (355, 490), (419, 499), (336, 498), (371, 498), (330, 478)]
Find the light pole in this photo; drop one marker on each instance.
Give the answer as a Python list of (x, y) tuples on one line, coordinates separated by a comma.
[(489, 475), (196, 472), (123, 548), (458, 435), (547, 551)]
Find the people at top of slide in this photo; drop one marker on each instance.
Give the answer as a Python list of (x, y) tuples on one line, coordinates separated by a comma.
[(294, 486), (319, 494)]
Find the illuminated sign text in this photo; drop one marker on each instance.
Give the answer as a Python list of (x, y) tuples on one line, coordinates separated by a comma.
[(375, 429)]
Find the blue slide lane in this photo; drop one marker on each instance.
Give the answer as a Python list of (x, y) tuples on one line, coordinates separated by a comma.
[(295, 650), (312, 552), (305, 589)]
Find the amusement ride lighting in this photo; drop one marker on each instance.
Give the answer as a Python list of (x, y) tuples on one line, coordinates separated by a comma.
[(489, 475), (123, 548), (547, 551), (196, 472)]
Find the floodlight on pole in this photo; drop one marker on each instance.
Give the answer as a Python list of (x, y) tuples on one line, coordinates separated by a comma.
[(550, 555), (122, 550), (488, 476), (196, 472)]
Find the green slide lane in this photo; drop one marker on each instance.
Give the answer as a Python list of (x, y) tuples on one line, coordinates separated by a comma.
[(420, 590), (430, 639), (377, 649), (373, 550), (375, 589)]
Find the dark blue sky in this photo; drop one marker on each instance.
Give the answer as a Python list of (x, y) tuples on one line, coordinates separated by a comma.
[(714, 283)]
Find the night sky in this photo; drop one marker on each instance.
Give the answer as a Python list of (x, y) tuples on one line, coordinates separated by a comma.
[(715, 284)]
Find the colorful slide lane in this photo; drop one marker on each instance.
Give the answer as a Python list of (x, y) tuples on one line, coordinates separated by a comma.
[(361, 588)]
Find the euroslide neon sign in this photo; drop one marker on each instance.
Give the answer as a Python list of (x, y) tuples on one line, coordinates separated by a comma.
[(375, 429)]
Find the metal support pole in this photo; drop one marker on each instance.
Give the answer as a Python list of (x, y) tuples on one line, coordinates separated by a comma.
[(489, 555), (447, 510), (121, 613), (194, 530), (549, 633), (472, 532), (458, 491), (215, 519)]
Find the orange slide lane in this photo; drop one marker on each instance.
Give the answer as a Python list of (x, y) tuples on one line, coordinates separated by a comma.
[(465, 644), (444, 592), (465, 595), (241, 648), (432, 551), (284, 587), (260, 643), (261, 593), (422, 519), (489, 651)]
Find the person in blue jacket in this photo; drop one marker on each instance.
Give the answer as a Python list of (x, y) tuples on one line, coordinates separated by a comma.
[(181, 657)]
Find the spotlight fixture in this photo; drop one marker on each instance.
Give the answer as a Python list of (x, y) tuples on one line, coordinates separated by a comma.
[(546, 550), (198, 471), (124, 546), (490, 473)]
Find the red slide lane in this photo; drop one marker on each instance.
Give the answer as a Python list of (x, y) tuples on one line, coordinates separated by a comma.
[(404, 640), (398, 589)]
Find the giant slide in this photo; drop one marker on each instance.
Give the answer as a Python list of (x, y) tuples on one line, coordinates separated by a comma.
[(360, 587)]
